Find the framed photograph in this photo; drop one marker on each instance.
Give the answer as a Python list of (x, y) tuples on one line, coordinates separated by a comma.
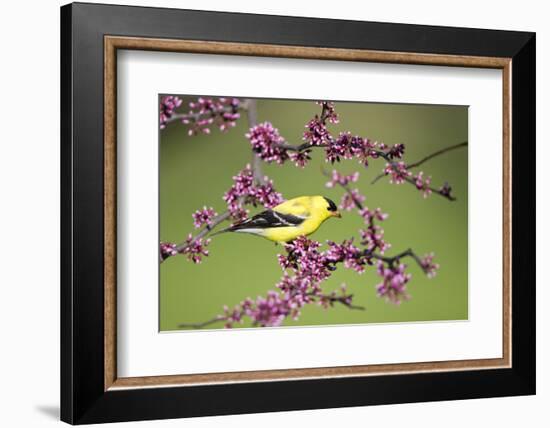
[(265, 213)]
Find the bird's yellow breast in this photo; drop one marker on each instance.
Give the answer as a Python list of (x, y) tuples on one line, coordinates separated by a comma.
[(285, 234)]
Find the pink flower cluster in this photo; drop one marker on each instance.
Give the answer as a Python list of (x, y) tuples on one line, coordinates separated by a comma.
[(167, 249), (430, 268), (395, 152), (267, 143), (205, 112), (347, 253), (268, 311), (394, 282), (245, 190), (300, 158), (316, 133), (204, 217), (398, 172), (328, 111), (347, 146), (351, 198), (195, 248), (168, 106), (342, 180), (373, 236), (423, 184)]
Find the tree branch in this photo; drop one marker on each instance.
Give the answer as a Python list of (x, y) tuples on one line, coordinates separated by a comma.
[(252, 114), (426, 158), (343, 300), (250, 106), (195, 117), (392, 260)]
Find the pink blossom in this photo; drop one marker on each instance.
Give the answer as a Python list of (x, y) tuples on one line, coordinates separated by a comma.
[(167, 249), (316, 133), (339, 148), (398, 172), (204, 217), (394, 280), (352, 256), (266, 195), (328, 111), (429, 267), (342, 180), (205, 112), (396, 151), (195, 248), (373, 236), (168, 106), (245, 190), (423, 184), (351, 199), (267, 143), (301, 158)]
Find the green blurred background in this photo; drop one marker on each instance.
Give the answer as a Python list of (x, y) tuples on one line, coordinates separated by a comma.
[(196, 171)]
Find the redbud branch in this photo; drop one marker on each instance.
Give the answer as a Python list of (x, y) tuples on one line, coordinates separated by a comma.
[(389, 260), (433, 189), (252, 114), (343, 300), (301, 147), (426, 158), (395, 259), (206, 230), (195, 117)]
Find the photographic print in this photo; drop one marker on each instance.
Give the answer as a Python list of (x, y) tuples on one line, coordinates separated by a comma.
[(294, 213)]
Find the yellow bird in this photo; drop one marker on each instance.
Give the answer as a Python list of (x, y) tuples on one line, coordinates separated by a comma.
[(287, 221)]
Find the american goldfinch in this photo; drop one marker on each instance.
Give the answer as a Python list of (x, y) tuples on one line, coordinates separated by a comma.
[(287, 221)]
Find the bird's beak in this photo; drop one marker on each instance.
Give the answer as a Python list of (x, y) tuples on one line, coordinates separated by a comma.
[(336, 214)]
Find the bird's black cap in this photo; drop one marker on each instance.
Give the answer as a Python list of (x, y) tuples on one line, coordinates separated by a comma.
[(331, 205)]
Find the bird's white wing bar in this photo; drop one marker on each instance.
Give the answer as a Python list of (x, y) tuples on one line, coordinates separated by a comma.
[(268, 219)]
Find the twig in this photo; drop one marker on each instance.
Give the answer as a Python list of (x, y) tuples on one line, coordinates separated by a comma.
[(439, 152), (205, 230), (426, 158), (195, 117), (203, 324), (392, 260), (343, 300)]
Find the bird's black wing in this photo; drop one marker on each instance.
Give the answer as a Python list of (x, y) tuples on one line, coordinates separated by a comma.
[(268, 219)]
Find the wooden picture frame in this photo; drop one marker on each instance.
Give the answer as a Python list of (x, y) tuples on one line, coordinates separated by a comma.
[(91, 390)]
